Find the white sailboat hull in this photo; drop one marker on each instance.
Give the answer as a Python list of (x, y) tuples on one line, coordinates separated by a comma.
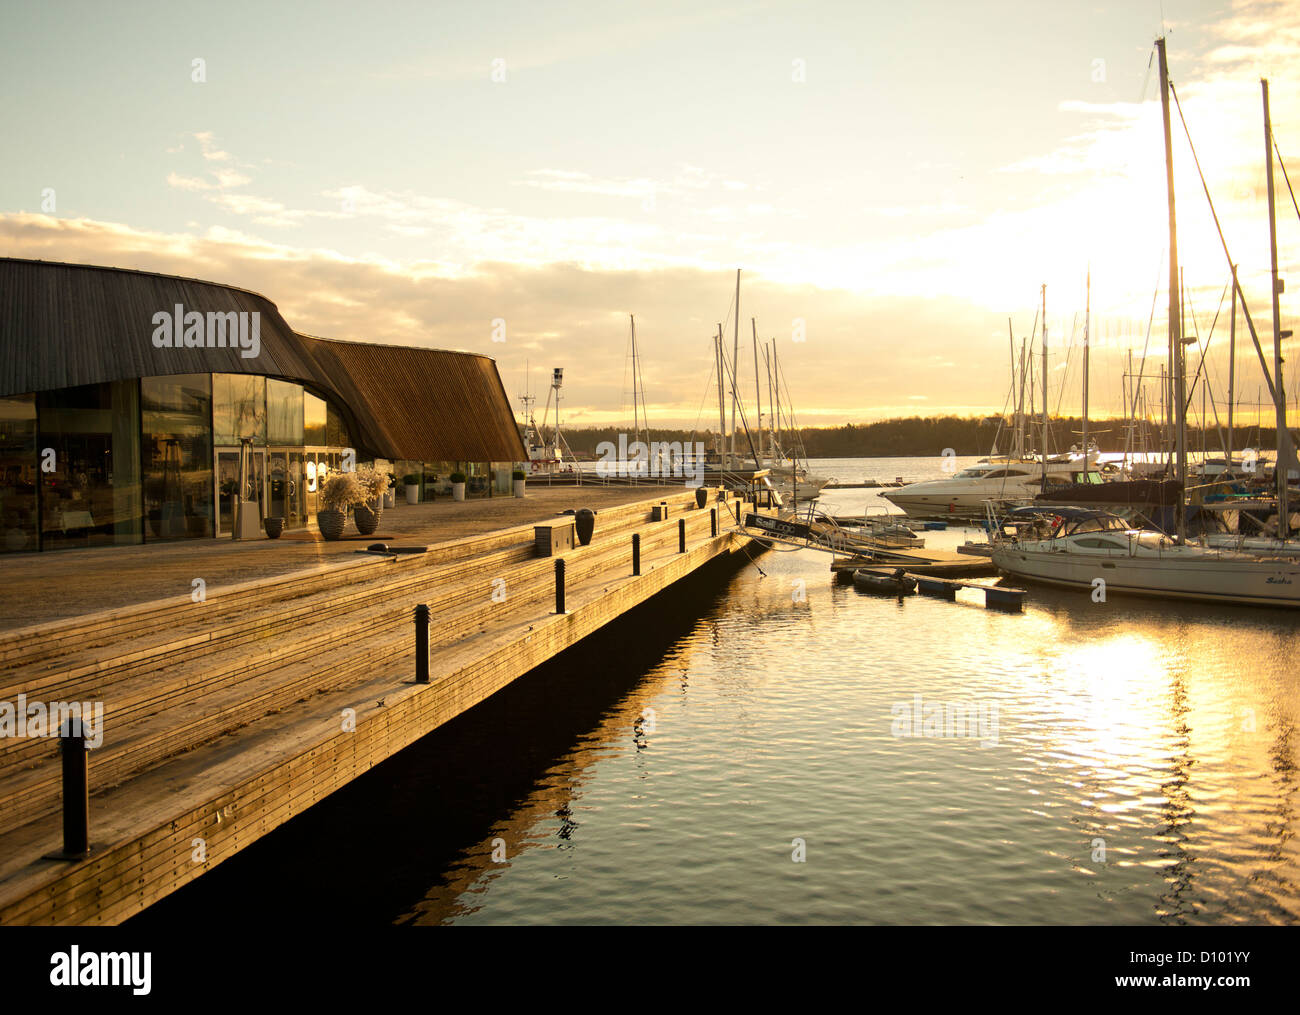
[(1181, 573)]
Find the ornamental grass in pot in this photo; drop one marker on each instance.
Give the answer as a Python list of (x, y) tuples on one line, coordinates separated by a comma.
[(341, 491), (366, 514)]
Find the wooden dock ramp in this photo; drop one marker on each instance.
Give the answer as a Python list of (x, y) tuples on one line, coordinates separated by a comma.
[(225, 718)]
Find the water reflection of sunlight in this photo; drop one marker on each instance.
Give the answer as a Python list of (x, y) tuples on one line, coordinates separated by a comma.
[(1108, 718)]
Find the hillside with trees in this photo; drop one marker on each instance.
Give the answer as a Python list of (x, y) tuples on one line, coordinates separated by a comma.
[(914, 436)]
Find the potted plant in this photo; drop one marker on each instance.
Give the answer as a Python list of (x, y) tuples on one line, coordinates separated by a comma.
[(366, 514), (412, 483), (341, 491), (458, 486), (518, 476), (274, 526)]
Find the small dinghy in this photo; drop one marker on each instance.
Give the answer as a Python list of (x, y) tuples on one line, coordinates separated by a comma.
[(897, 584)]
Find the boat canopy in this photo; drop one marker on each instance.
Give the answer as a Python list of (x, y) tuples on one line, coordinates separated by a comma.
[(1072, 521), (1071, 514)]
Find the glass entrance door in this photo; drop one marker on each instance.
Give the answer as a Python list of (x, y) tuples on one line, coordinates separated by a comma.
[(285, 493), (227, 478)]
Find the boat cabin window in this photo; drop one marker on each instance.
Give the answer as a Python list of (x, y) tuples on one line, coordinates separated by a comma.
[(1099, 523), (1096, 543), (975, 472)]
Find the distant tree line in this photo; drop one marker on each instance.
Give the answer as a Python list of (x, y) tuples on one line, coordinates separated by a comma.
[(916, 436)]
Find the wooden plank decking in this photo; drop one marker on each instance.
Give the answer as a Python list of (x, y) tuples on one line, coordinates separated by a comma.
[(225, 718)]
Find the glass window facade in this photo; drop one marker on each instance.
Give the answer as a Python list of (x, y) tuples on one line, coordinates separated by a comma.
[(238, 408), (313, 411), (176, 455), (284, 412), (156, 459), (18, 475), (90, 491)]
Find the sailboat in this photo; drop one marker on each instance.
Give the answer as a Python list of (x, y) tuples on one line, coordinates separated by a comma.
[(790, 479), (1013, 478), (1086, 548)]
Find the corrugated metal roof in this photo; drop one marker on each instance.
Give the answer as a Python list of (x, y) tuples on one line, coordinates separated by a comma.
[(67, 324)]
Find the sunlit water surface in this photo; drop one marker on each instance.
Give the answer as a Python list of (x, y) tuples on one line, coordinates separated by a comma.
[(1134, 762)]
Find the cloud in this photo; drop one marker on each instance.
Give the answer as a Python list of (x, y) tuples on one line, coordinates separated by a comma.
[(567, 314), (188, 182), (208, 149)]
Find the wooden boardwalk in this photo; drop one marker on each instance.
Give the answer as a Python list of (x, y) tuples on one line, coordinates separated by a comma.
[(224, 719)]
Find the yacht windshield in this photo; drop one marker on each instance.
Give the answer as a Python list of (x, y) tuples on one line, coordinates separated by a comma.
[(974, 473), (1098, 523)]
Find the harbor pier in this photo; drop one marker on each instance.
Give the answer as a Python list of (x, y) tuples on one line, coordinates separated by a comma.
[(224, 718)]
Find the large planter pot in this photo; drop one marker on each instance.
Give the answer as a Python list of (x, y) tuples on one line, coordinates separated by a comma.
[(701, 496), (412, 493), (390, 498), (331, 523), (366, 518), (519, 487), (584, 523), (457, 491), (274, 526)]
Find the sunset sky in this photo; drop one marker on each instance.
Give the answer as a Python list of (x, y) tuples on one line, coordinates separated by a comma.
[(901, 177)]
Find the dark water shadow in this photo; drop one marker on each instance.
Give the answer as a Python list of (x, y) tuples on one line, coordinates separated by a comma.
[(368, 853)]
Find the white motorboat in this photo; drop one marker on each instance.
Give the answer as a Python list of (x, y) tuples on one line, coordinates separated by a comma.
[(1092, 550), (964, 494)]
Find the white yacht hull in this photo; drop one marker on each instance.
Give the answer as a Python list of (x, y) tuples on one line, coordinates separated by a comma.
[(1196, 575), (942, 500)]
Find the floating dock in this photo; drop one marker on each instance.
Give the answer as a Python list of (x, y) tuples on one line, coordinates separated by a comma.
[(940, 563), (866, 484), (225, 718)]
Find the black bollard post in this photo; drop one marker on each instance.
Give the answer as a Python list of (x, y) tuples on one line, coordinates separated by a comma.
[(422, 643), (681, 535), (76, 789), (713, 521), (636, 553), (559, 585)]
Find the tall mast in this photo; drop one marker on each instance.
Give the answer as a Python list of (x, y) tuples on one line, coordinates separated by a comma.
[(722, 407), (636, 423), (1011, 342), (1177, 395), (771, 404), (758, 398), (1283, 434), (776, 373), (735, 365), (1044, 449), (1232, 365), (1020, 401), (1130, 407), (1087, 322)]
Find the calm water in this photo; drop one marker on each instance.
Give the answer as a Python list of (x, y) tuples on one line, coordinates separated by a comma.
[(1163, 734)]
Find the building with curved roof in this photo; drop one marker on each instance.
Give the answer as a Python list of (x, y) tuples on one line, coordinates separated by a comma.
[(128, 398)]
